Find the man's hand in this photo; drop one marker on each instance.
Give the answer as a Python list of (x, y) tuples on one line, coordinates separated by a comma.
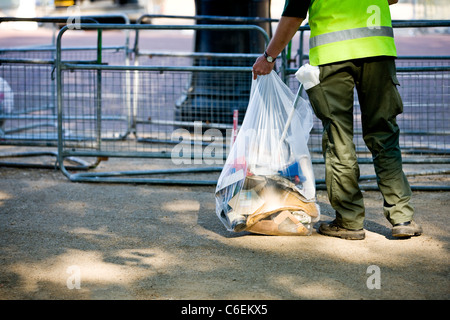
[(287, 27), (262, 67)]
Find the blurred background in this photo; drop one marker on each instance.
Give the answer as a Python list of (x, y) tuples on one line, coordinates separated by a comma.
[(404, 10), (170, 74)]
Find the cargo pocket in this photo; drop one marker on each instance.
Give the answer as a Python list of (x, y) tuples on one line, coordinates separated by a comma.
[(319, 102), (396, 98)]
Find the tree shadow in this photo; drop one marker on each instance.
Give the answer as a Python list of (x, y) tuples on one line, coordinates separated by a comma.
[(160, 242)]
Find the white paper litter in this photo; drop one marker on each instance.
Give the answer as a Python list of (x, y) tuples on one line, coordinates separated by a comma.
[(308, 75)]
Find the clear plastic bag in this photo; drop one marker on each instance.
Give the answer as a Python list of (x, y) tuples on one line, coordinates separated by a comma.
[(267, 185)]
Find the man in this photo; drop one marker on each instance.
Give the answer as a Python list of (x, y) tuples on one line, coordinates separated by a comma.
[(352, 43)]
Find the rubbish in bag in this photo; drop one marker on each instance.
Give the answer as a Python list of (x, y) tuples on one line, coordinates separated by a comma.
[(267, 185)]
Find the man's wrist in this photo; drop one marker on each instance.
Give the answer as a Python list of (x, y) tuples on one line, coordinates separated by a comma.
[(269, 58)]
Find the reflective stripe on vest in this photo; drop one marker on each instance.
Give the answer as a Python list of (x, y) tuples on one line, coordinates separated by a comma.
[(350, 34)]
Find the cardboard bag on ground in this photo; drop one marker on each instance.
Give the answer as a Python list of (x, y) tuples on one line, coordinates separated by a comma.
[(267, 184)]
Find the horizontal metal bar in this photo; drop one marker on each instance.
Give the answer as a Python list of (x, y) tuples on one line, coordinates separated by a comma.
[(408, 174), (71, 66), (27, 61), (77, 178), (137, 27), (30, 143), (64, 19), (41, 166), (138, 154), (116, 154), (395, 23), (186, 124), (405, 160), (152, 172), (46, 137), (183, 142), (65, 118), (110, 26), (43, 61), (53, 48), (423, 57), (420, 23), (207, 17), (253, 55), (405, 151), (114, 176), (45, 19), (413, 188), (197, 54), (423, 69), (427, 150), (28, 154), (424, 133)]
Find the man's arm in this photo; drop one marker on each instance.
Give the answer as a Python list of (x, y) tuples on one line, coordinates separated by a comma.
[(287, 27)]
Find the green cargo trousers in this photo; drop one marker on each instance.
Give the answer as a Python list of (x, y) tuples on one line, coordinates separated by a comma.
[(332, 101)]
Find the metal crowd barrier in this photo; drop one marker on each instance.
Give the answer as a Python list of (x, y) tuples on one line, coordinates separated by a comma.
[(156, 126), (29, 72), (238, 85), (176, 105)]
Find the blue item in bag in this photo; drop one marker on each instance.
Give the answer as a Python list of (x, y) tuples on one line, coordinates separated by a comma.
[(293, 172)]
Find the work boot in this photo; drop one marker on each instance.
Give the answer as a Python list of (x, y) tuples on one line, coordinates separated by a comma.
[(332, 229), (406, 229)]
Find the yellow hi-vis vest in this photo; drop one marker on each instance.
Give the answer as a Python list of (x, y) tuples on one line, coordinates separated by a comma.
[(345, 29)]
